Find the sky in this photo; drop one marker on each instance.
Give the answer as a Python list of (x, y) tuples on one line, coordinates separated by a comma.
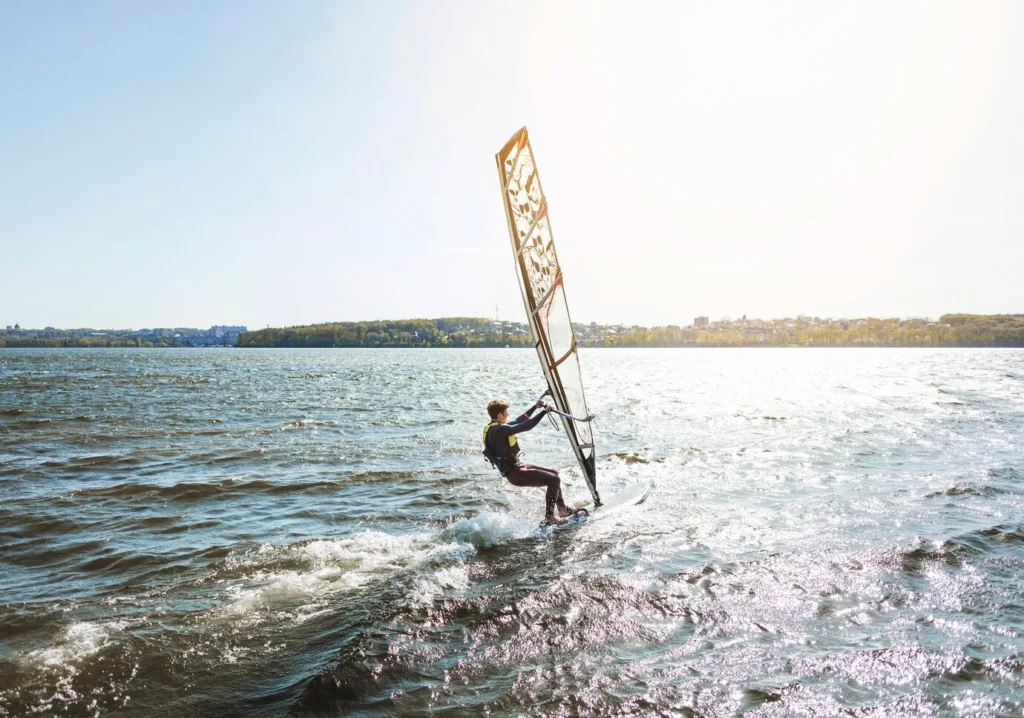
[(276, 164)]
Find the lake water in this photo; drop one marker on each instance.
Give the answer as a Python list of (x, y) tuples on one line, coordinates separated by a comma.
[(315, 532)]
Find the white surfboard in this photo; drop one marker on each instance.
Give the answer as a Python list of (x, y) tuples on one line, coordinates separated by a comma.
[(617, 502), (629, 496)]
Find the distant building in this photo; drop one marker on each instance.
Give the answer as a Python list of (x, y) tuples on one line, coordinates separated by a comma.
[(222, 334), (700, 322)]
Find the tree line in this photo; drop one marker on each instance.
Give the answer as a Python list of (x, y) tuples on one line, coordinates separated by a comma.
[(445, 332), (14, 342), (951, 330)]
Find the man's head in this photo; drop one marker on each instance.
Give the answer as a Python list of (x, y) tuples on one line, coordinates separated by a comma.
[(498, 410)]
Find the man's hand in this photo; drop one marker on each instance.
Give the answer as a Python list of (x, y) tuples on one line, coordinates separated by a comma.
[(539, 404)]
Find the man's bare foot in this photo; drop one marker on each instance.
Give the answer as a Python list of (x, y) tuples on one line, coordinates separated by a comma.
[(565, 511), (554, 521)]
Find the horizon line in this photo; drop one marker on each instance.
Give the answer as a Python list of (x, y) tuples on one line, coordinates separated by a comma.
[(801, 315)]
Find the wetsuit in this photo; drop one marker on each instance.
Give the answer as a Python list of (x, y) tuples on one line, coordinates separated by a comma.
[(518, 474)]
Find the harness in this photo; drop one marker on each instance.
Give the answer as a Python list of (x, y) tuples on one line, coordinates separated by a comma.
[(501, 461)]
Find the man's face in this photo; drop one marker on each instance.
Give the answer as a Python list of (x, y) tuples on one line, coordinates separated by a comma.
[(503, 416)]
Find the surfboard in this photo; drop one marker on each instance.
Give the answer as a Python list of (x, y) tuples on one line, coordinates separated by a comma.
[(610, 505)]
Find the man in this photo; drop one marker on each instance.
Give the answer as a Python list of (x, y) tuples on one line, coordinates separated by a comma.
[(502, 449)]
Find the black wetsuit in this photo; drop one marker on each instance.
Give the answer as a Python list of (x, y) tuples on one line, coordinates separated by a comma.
[(524, 474)]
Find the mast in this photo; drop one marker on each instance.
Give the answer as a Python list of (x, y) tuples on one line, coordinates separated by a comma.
[(543, 290)]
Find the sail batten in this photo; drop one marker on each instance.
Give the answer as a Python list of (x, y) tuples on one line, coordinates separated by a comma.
[(543, 290)]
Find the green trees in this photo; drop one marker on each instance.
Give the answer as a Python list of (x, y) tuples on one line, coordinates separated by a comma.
[(958, 330), (448, 331), (1006, 330), (951, 330)]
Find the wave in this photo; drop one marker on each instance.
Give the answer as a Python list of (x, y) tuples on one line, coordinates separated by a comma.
[(1007, 473), (187, 492), (227, 458), (27, 526), (77, 642), (76, 463), (197, 490), (436, 422), (967, 489), (904, 665), (42, 553), (914, 559), (296, 581), (489, 529), (631, 458), (120, 563), (512, 628), (293, 579), (306, 424), (63, 672), (953, 551), (427, 589), (993, 538), (28, 424), (372, 477), (304, 487)]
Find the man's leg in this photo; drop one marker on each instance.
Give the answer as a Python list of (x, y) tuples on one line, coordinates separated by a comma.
[(563, 510), (526, 475)]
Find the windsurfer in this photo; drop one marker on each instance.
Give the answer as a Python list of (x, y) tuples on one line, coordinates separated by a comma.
[(502, 449)]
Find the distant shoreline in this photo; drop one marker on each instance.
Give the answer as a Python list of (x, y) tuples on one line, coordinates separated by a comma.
[(950, 331)]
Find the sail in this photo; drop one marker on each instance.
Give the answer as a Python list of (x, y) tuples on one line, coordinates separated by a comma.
[(543, 289)]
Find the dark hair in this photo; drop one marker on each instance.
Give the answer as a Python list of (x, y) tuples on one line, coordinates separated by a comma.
[(495, 408)]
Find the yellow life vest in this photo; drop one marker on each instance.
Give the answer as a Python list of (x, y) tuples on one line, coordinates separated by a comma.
[(511, 437), (499, 462)]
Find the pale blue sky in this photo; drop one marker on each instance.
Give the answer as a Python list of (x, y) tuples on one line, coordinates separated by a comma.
[(190, 164)]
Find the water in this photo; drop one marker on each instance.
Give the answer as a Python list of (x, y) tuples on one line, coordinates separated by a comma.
[(247, 532)]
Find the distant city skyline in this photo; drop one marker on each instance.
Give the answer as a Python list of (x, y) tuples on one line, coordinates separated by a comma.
[(276, 165)]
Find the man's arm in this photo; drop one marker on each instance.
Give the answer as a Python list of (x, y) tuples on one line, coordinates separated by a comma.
[(525, 415), (524, 422), (529, 412)]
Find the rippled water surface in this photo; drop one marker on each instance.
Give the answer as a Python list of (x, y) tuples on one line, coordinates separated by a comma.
[(307, 532)]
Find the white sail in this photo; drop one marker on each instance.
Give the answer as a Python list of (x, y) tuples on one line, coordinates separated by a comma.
[(543, 289)]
